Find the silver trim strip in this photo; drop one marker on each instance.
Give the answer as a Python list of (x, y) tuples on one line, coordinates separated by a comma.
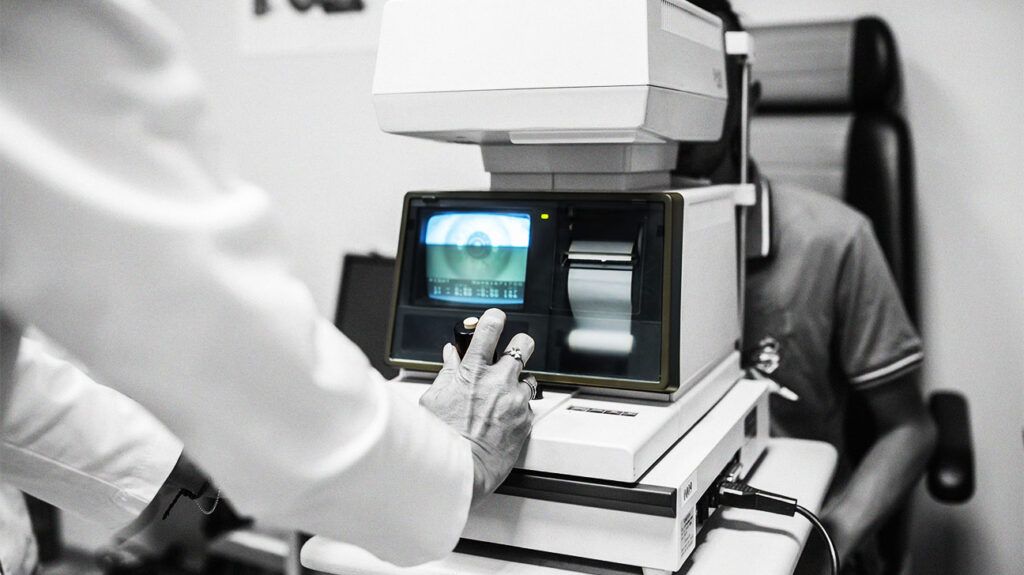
[(766, 231)]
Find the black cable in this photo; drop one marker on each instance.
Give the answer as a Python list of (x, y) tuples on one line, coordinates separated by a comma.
[(833, 556), (742, 496)]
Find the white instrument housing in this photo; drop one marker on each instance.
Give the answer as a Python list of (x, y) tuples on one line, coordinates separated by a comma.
[(734, 432), (550, 72)]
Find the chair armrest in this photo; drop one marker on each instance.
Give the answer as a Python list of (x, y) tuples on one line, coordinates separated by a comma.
[(951, 470)]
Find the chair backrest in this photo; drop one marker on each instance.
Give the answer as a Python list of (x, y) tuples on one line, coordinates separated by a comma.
[(830, 120), (364, 306)]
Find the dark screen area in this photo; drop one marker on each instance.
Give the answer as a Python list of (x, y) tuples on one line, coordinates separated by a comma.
[(364, 306)]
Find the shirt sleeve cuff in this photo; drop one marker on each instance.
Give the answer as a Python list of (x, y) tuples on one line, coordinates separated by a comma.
[(149, 475), (888, 372)]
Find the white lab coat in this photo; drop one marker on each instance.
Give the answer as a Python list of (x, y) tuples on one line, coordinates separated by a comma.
[(77, 444), (123, 241), (80, 445)]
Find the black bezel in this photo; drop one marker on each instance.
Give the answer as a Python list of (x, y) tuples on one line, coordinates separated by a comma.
[(669, 363)]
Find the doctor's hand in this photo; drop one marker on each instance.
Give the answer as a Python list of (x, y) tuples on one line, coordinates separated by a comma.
[(487, 404)]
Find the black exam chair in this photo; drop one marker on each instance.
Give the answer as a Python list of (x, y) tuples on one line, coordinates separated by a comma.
[(830, 119)]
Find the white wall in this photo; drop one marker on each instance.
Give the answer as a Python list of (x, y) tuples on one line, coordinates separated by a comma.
[(303, 127)]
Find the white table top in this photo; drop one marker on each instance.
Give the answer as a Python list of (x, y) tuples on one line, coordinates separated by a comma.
[(733, 542), (771, 543)]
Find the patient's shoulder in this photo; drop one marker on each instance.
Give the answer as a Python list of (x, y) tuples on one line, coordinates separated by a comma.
[(811, 218)]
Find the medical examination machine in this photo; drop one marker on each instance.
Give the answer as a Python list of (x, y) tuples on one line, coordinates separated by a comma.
[(628, 284)]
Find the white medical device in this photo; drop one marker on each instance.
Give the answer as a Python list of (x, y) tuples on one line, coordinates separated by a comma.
[(565, 71), (629, 287)]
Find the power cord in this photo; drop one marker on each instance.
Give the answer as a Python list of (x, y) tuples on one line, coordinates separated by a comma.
[(742, 496), (833, 556)]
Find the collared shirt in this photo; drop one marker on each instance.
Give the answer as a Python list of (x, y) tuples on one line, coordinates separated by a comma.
[(80, 445), (828, 299), (826, 307), (19, 554), (125, 241)]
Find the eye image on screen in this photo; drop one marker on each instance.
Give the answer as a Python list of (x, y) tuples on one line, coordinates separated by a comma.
[(477, 258)]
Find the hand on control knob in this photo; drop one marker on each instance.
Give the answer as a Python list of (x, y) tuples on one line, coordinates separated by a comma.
[(487, 403)]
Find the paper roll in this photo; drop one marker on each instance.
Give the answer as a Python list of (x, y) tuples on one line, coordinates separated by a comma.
[(614, 342), (601, 292), (601, 298)]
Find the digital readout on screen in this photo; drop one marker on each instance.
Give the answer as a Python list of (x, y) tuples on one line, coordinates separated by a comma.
[(477, 258)]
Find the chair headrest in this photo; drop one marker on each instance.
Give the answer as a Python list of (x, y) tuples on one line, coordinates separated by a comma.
[(828, 66)]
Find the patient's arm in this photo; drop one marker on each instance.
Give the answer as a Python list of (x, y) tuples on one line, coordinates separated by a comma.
[(891, 467)]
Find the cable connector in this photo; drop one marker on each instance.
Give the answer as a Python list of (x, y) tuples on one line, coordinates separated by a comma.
[(742, 496), (731, 493)]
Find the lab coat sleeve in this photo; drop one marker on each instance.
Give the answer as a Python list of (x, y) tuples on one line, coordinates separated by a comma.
[(124, 241), (80, 445)]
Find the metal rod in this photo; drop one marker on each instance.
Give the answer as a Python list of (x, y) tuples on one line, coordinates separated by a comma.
[(744, 179), (292, 562), (745, 124)]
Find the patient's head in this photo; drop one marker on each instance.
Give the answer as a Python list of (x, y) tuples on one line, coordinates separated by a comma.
[(718, 160)]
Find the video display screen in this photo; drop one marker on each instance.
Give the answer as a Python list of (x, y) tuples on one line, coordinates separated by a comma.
[(477, 258)]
